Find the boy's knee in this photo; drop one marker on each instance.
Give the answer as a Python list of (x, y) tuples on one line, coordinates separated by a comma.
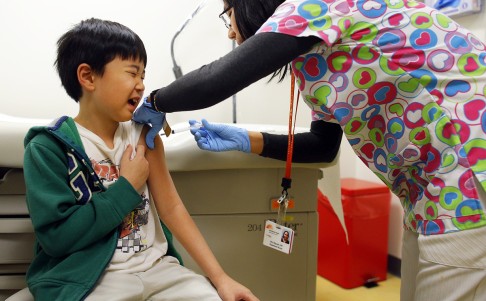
[(22, 295)]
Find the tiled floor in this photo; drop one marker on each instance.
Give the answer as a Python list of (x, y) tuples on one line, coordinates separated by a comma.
[(388, 290)]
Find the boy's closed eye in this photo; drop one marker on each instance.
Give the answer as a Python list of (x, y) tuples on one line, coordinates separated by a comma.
[(136, 70), (135, 74)]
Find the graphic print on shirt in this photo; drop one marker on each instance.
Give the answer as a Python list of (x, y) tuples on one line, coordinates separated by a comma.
[(132, 237), (106, 170), (131, 240)]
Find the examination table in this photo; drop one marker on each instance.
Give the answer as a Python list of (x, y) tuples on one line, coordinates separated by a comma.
[(229, 195)]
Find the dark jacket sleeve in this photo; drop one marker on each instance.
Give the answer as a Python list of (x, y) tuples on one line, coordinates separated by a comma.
[(257, 57), (320, 144), (254, 59)]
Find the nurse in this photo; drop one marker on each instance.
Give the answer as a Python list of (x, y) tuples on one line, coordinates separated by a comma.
[(405, 84)]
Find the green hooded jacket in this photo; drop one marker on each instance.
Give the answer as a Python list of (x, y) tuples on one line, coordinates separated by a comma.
[(76, 219)]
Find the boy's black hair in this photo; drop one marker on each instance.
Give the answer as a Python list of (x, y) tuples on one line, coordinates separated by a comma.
[(94, 42), (250, 16)]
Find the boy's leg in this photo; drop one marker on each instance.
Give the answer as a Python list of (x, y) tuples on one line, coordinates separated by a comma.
[(409, 266), (117, 286), (168, 280)]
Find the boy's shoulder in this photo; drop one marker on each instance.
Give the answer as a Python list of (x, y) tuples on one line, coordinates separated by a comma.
[(133, 125), (133, 129)]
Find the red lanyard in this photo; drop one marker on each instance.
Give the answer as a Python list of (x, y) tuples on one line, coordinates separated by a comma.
[(287, 180)]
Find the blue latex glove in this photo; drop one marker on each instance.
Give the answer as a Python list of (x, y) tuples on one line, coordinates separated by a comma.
[(220, 137), (446, 3), (145, 114)]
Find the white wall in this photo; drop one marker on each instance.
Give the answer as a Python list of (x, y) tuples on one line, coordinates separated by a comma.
[(30, 86), (30, 29)]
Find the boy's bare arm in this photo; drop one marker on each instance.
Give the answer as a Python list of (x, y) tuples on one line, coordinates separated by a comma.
[(174, 214)]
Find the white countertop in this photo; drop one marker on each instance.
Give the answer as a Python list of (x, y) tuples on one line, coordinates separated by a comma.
[(181, 150)]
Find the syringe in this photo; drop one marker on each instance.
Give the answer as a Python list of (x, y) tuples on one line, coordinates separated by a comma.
[(184, 128)]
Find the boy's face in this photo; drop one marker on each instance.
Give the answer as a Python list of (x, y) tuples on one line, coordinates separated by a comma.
[(119, 90)]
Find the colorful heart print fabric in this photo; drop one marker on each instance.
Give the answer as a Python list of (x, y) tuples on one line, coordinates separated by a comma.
[(407, 84)]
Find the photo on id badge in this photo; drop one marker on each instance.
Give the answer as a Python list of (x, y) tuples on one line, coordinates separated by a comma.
[(278, 237)]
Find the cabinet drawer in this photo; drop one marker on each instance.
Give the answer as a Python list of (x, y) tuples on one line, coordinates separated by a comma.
[(16, 241), (12, 282), (14, 269), (15, 225), (13, 204), (12, 181), (16, 248)]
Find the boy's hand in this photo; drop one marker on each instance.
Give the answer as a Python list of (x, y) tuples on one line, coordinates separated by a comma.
[(230, 290), (136, 169)]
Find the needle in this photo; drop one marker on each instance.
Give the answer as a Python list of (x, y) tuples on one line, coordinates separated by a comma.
[(183, 128)]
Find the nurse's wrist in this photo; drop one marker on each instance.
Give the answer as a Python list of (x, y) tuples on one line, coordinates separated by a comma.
[(152, 100), (256, 142)]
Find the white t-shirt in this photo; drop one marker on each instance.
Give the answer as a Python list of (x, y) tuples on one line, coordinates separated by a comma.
[(142, 240)]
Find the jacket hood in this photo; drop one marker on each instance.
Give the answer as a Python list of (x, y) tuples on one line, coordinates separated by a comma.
[(63, 128)]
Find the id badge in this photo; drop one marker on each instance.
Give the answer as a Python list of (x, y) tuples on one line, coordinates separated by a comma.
[(278, 237)]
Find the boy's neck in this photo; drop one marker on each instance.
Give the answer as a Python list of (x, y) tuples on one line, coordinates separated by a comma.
[(105, 129)]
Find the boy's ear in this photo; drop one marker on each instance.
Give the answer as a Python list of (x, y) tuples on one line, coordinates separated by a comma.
[(86, 77)]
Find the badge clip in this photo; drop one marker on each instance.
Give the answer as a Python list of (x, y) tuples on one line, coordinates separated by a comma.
[(283, 204)]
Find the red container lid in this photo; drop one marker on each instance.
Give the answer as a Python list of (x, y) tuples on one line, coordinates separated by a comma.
[(353, 187)]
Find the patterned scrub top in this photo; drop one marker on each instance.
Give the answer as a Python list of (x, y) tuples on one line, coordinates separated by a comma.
[(407, 84)]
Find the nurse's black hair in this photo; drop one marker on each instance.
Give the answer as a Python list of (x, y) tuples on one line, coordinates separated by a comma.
[(94, 42), (250, 16)]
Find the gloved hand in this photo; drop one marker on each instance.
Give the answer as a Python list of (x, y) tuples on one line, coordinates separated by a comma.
[(220, 137), (440, 4), (146, 114)]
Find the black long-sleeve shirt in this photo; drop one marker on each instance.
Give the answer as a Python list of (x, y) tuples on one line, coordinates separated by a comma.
[(224, 77)]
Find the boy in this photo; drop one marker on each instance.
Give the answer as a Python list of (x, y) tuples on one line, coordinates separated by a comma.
[(95, 195)]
